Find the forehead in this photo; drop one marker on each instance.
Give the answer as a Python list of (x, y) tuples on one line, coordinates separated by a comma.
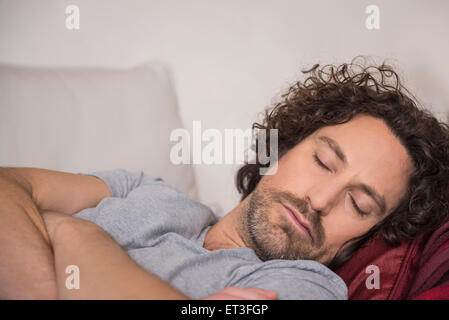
[(374, 155)]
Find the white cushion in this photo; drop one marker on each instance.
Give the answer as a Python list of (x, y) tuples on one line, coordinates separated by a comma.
[(90, 119)]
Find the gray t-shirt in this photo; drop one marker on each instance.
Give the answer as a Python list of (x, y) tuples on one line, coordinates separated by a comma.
[(163, 231)]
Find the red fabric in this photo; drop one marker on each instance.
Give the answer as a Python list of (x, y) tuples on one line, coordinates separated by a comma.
[(397, 267), (434, 263), (444, 245), (438, 293)]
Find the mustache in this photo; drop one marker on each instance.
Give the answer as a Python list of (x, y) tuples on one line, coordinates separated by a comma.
[(301, 205)]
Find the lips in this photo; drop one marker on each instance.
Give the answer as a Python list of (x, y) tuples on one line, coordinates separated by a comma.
[(299, 219)]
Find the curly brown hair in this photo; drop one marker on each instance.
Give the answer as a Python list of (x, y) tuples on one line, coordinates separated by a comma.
[(333, 95)]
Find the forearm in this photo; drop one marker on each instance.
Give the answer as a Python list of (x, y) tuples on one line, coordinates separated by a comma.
[(26, 259), (105, 269)]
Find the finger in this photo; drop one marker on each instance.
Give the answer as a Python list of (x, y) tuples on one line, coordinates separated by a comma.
[(268, 293), (220, 296), (250, 293)]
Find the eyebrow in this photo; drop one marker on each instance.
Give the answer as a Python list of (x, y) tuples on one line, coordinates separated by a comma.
[(370, 191)]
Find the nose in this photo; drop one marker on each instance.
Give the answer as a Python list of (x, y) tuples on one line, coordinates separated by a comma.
[(323, 195)]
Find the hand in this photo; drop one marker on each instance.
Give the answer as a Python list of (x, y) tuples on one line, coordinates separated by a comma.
[(234, 293)]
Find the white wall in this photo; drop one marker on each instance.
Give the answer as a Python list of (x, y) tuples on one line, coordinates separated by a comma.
[(230, 58)]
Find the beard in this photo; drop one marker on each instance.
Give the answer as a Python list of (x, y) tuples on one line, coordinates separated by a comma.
[(272, 235)]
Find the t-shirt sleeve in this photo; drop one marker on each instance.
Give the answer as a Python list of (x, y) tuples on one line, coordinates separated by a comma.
[(121, 182), (143, 208), (297, 280)]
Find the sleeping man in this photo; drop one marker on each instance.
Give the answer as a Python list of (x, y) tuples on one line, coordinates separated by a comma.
[(357, 157)]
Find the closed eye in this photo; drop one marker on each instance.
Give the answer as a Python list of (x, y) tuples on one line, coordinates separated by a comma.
[(319, 162), (322, 165), (359, 211)]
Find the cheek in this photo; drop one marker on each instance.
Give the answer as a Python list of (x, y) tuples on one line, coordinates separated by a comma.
[(342, 226)]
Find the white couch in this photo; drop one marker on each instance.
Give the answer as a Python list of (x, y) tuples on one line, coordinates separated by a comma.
[(89, 119)]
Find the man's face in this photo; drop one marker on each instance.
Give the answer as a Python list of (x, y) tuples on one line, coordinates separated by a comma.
[(332, 187)]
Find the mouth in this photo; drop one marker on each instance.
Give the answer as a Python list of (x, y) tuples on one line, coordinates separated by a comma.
[(298, 220)]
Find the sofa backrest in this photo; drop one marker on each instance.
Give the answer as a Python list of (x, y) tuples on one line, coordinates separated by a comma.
[(91, 119)]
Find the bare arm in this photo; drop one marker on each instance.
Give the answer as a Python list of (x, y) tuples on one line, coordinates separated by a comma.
[(105, 269), (63, 192), (26, 258)]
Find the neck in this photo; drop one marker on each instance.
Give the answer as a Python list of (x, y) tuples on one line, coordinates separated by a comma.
[(228, 233)]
